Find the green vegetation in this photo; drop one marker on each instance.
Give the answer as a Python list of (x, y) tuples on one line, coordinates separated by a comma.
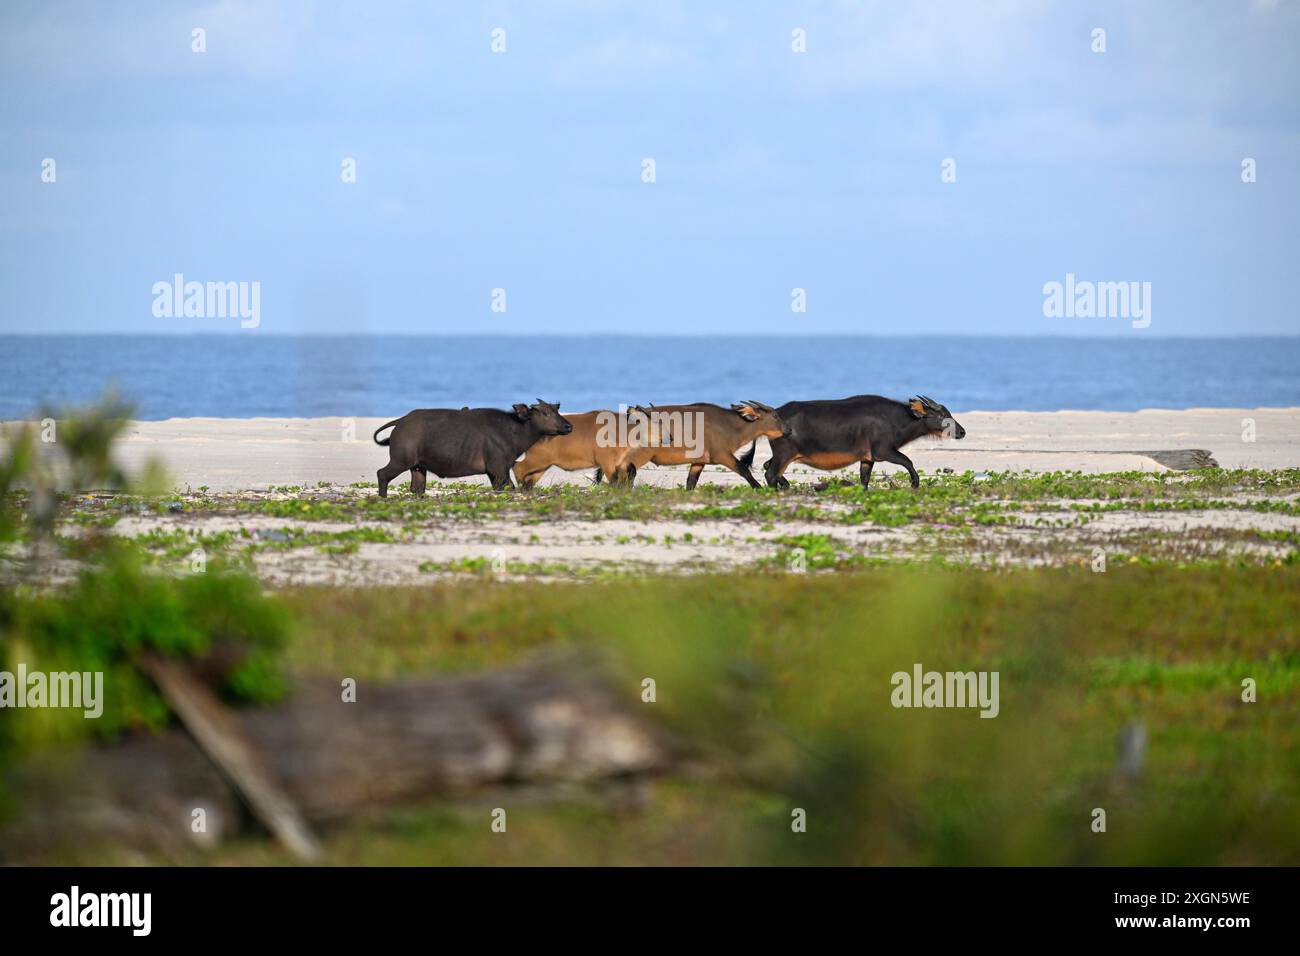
[(178, 543), (115, 610), (778, 687), (979, 520), (965, 499), (112, 609), (485, 567)]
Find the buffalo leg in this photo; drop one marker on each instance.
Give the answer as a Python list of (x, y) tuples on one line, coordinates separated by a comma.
[(385, 475), (417, 481), (693, 477), (500, 478), (864, 470), (774, 470), (742, 470), (896, 457), (527, 481)]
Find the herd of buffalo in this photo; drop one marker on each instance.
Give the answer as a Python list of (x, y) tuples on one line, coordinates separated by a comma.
[(529, 439)]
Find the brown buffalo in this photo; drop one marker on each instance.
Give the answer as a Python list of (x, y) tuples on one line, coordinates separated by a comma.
[(704, 434), (600, 439)]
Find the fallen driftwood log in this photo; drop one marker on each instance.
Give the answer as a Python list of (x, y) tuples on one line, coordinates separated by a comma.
[(216, 730), (1178, 459), (396, 742), (1182, 459)]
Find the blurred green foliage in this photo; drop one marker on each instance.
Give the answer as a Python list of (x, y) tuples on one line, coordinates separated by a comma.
[(778, 686), (112, 608), (116, 609)]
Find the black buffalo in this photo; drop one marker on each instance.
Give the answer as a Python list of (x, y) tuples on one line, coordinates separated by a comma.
[(864, 429), (455, 443)]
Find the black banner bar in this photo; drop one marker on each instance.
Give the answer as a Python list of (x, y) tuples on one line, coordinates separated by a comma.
[(306, 905)]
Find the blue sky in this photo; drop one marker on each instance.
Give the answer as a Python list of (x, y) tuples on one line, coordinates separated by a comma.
[(775, 170)]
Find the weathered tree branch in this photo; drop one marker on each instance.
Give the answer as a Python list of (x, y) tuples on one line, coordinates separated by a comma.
[(396, 742)]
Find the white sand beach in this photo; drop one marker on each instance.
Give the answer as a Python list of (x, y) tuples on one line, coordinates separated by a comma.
[(257, 453)]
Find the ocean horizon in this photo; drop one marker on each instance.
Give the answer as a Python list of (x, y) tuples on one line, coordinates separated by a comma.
[(307, 376)]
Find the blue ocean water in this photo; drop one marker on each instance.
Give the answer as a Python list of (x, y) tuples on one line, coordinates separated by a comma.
[(248, 375)]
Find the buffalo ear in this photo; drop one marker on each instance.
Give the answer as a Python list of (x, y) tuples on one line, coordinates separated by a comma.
[(523, 411), (745, 411), (917, 407)]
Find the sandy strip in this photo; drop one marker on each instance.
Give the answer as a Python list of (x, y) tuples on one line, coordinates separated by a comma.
[(249, 454), (670, 545)]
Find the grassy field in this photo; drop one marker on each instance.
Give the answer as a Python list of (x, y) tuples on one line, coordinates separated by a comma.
[(778, 688), (837, 499), (775, 685), (348, 536)]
